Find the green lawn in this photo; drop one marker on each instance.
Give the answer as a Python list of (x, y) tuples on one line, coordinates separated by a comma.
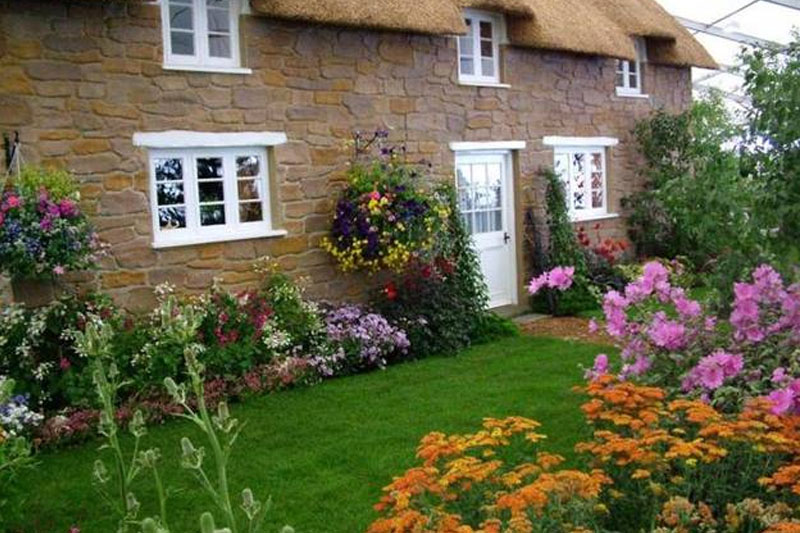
[(324, 453)]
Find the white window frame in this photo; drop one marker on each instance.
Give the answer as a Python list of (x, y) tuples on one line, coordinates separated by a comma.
[(624, 68), (587, 145), (201, 60), (189, 146), (498, 37)]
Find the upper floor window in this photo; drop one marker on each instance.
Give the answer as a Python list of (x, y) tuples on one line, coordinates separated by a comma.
[(629, 73), (209, 187), (479, 49), (201, 34)]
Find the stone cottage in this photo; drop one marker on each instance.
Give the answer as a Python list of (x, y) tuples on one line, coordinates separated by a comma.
[(206, 133)]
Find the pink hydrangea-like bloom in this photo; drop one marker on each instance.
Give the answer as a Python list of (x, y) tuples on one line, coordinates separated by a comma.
[(593, 327), (686, 307), (614, 305), (667, 334), (712, 371), (778, 375), (599, 368), (561, 278), (769, 283), (782, 400)]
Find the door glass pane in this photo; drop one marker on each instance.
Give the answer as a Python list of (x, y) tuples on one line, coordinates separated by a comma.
[(219, 46), (486, 30), (497, 220)]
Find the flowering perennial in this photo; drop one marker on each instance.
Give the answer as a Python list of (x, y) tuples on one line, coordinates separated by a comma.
[(669, 339), (559, 278)]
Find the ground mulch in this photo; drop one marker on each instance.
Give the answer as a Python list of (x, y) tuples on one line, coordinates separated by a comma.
[(568, 328)]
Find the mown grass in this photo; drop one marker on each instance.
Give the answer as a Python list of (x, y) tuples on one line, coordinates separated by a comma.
[(324, 453)]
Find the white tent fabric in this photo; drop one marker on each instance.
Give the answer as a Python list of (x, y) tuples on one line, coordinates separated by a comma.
[(764, 19)]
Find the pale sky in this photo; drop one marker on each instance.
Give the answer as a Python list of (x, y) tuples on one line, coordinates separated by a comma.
[(762, 19)]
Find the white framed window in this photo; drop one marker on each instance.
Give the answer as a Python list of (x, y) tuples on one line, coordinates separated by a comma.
[(201, 35), (209, 187), (479, 49), (629, 73), (583, 170)]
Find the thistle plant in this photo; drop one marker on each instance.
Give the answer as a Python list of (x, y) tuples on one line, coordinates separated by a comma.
[(115, 485)]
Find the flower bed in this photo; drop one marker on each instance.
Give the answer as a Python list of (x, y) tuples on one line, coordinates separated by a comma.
[(256, 341), (654, 465)]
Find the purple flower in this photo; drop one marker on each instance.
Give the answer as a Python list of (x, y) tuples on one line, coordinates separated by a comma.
[(666, 333), (782, 400)]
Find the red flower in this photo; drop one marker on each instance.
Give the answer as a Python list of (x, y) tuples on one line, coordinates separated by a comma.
[(64, 364), (390, 291)]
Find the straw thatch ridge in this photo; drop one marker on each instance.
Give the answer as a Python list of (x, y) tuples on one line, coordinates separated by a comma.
[(518, 8), (439, 17), (573, 26), (593, 27)]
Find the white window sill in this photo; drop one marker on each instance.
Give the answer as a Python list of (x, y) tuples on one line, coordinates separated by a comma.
[(490, 84), (208, 69), (594, 218), (191, 240), (625, 94)]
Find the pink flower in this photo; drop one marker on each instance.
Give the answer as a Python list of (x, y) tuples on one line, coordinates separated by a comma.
[(375, 195), (59, 270), (74, 529), (600, 367), (778, 375), (537, 284), (666, 333), (782, 400), (67, 208), (686, 308), (593, 327), (13, 201), (712, 370), (561, 278)]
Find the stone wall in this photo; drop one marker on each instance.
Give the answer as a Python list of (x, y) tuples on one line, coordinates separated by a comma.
[(79, 78)]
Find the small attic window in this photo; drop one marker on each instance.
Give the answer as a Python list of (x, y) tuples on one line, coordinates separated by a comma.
[(629, 73), (201, 35), (479, 49)]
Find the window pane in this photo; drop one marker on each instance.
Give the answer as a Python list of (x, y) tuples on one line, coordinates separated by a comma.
[(212, 215), (250, 212), (578, 172), (487, 49), (597, 199), (465, 200), (597, 180), (218, 3), (169, 169), (209, 168), (247, 166), (182, 43), (171, 218), (211, 191), (597, 162), (486, 30), (219, 20), (487, 67), (219, 46), (170, 193), (466, 46), (180, 17), (634, 82), (496, 221), (467, 66), (249, 189)]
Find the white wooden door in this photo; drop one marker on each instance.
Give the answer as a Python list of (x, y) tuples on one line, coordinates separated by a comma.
[(484, 186)]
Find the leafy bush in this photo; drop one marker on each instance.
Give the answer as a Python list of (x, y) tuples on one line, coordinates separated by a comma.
[(654, 465), (562, 250), (37, 349), (441, 304), (43, 233), (16, 422), (699, 202), (668, 339)]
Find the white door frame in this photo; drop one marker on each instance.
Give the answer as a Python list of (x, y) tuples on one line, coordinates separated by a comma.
[(509, 213)]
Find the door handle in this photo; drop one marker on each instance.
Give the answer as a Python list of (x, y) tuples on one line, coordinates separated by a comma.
[(506, 237)]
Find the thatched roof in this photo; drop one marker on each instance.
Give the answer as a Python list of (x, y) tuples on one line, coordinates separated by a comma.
[(595, 27), (440, 17)]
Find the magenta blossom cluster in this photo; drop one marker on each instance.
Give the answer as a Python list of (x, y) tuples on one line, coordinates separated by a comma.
[(560, 278), (668, 339)]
